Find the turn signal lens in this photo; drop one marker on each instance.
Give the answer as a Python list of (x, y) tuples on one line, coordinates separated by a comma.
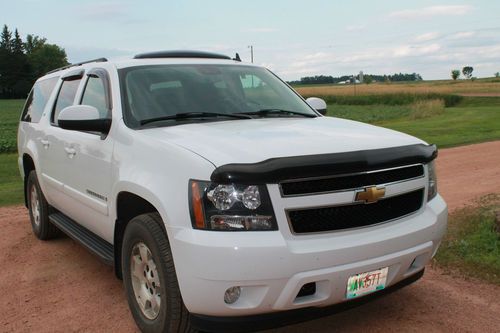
[(432, 191), (197, 205)]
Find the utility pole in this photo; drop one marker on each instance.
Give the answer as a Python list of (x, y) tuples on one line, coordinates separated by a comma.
[(251, 52)]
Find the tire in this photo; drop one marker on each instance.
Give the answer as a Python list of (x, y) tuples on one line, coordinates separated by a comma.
[(39, 210), (144, 237)]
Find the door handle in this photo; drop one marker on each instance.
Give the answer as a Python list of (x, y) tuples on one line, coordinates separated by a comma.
[(45, 143), (70, 151)]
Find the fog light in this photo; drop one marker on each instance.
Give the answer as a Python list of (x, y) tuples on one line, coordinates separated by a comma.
[(232, 295)]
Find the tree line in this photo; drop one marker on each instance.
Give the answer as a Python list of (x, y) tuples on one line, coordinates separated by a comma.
[(22, 62), (367, 78)]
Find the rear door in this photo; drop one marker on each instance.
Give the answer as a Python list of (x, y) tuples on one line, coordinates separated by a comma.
[(51, 157)]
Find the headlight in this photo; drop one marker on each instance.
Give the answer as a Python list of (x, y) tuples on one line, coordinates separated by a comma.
[(230, 207), (431, 168)]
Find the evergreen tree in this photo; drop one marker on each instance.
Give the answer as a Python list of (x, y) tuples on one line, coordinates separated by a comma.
[(6, 74), (17, 44), (5, 39)]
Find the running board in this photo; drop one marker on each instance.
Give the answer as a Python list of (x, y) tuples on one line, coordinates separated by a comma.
[(87, 238)]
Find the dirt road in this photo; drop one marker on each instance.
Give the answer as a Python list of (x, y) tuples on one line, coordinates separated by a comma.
[(57, 286)]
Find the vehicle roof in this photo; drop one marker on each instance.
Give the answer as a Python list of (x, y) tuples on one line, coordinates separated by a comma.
[(120, 63)]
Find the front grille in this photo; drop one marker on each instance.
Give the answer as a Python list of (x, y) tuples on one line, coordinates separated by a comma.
[(355, 215), (346, 182)]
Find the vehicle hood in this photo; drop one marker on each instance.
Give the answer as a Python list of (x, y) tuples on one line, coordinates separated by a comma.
[(255, 140)]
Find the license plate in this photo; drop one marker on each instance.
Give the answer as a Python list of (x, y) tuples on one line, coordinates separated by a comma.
[(365, 283)]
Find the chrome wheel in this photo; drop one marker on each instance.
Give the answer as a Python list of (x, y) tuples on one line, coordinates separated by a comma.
[(145, 280), (35, 205)]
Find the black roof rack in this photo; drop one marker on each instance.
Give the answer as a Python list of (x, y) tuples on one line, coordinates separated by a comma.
[(181, 54), (77, 64)]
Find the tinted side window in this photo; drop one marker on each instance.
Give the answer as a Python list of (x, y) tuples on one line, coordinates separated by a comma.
[(37, 99), (65, 97), (94, 95)]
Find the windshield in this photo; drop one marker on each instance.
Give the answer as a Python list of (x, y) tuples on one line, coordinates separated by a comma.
[(160, 91)]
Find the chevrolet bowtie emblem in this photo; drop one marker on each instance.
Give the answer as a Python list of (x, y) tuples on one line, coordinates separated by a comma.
[(370, 194)]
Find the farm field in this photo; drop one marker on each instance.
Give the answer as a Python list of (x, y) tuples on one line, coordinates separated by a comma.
[(485, 87), (474, 119)]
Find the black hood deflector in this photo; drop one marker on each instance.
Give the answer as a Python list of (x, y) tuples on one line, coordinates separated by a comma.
[(275, 170)]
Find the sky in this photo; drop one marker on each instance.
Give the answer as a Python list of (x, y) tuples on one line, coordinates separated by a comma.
[(292, 38)]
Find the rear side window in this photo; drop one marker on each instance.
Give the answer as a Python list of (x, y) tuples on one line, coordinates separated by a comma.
[(37, 100), (94, 95), (66, 96)]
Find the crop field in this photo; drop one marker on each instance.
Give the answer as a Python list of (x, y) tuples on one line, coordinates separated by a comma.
[(10, 111), (484, 87)]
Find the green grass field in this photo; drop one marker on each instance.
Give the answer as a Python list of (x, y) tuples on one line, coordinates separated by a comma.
[(474, 119), (11, 185), (10, 111), (472, 245)]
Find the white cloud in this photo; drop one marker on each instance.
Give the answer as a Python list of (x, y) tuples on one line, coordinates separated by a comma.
[(102, 11), (358, 27), (426, 12), (260, 30), (412, 50), (463, 34), (427, 37)]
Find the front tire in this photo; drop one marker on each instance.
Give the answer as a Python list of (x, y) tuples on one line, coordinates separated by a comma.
[(39, 210), (149, 277)]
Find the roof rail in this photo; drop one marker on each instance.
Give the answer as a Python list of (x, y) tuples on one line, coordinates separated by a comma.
[(77, 64), (181, 54)]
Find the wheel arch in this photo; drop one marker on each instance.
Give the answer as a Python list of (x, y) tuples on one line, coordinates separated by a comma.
[(128, 206)]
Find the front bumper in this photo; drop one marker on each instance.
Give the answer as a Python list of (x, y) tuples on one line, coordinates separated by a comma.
[(283, 318), (271, 267)]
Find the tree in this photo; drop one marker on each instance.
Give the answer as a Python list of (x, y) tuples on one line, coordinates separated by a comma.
[(467, 71), (455, 74), (6, 71), (497, 74), (21, 74), (32, 43), (21, 63), (5, 39), (367, 79), (47, 57)]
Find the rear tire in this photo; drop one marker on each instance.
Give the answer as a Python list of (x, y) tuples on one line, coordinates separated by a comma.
[(149, 277), (39, 209)]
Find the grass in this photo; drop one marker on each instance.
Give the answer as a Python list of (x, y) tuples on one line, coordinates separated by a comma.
[(473, 120), (11, 185), (472, 244), (427, 109), (10, 112)]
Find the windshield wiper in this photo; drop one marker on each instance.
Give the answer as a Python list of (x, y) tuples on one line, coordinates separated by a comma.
[(264, 112), (187, 115)]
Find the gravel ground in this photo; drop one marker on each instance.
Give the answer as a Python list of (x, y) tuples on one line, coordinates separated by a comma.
[(57, 286)]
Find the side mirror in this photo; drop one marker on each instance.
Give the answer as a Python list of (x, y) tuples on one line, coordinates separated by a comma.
[(83, 118), (317, 104)]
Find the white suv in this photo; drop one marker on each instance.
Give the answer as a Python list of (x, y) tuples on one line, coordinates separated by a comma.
[(222, 197)]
